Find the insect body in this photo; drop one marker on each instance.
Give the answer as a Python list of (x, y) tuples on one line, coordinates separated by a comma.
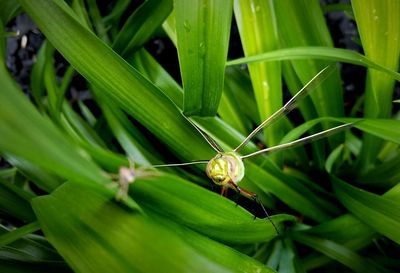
[(125, 177)]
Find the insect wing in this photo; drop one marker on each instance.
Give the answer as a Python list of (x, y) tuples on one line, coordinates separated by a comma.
[(292, 103)]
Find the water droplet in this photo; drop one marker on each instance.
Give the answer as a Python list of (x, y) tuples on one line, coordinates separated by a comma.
[(202, 48), (253, 7), (187, 25), (265, 84), (258, 8)]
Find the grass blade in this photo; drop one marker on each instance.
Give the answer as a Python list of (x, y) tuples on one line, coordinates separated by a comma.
[(379, 27), (202, 29), (256, 19), (339, 253), (380, 213), (307, 27), (27, 134), (316, 52), (139, 27), (112, 239)]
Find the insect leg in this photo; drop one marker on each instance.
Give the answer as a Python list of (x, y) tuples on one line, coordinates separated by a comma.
[(224, 190), (253, 196)]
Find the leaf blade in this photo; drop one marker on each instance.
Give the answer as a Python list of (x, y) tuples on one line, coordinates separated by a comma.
[(202, 29)]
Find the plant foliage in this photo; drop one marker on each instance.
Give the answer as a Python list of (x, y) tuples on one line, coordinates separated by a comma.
[(335, 201)]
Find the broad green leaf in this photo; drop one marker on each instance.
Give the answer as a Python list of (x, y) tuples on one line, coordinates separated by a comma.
[(18, 233), (78, 128), (8, 9), (379, 27), (79, 8), (379, 212), (338, 253), (43, 179), (112, 239), (315, 52), (347, 230), (255, 19), (146, 103), (387, 129), (385, 175), (202, 29), (131, 147), (42, 144), (307, 27), (28, 249), (36, 77), (289, 261), (33, 267), (237, 101), (230, 138), (141, 25), (87, 54), (28, 135), (15, 202), (204, 211), (2, 43), (117, 12), (97, 22), (287, 194)]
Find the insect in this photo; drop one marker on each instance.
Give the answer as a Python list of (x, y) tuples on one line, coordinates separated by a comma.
[(125, 177), (226, 169)]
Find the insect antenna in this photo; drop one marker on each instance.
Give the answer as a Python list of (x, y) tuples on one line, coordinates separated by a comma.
[(292, 103), (180, 164), (208, 138), (302, 141)]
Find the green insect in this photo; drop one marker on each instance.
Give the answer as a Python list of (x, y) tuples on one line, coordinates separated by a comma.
[(226, 169)]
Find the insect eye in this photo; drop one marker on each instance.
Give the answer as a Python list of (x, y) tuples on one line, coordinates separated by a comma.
[(218, 170)]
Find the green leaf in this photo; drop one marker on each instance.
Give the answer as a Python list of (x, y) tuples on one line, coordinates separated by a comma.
[(379, 212), (256, 19), (18, 233), (15, 202), (87, 53), (237, 101), (338, 252), (202, 29), (229, 138), (146, 103), (315, 52), (8, 9), (139, 27), (28, 249), (204, 211), (347, 230), (28, 135), (33, 267), (387, 129), (379, 27), (307, 27), (112, 239)]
